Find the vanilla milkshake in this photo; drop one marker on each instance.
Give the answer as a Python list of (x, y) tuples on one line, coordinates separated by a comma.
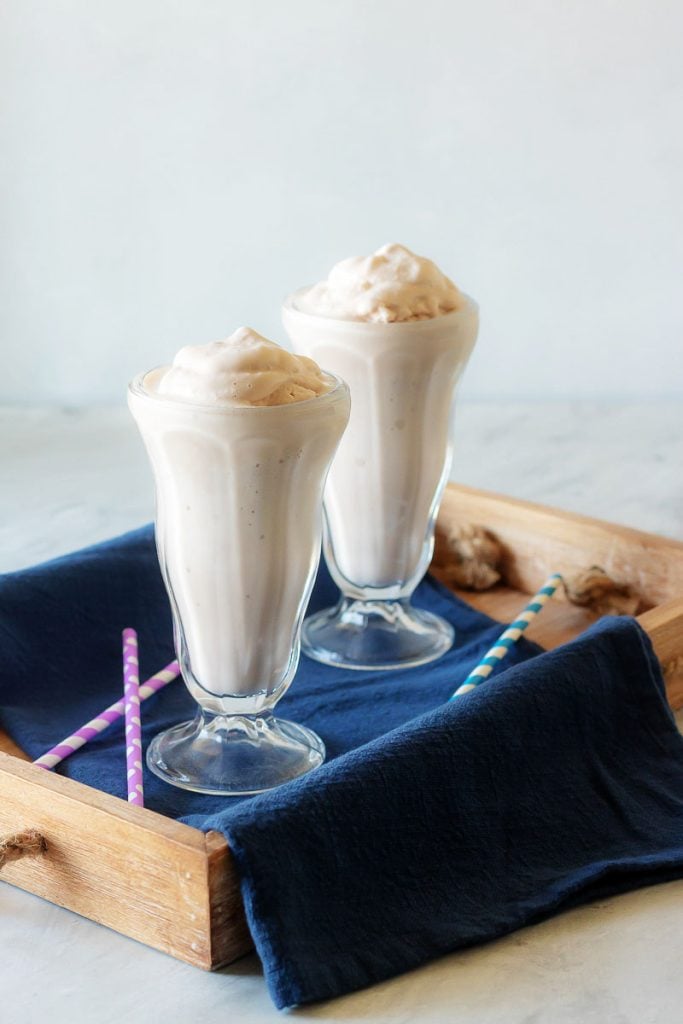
[(400, 333), (240, 434)]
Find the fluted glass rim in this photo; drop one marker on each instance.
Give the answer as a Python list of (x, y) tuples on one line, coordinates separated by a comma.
[(469, 307), (338, 392)]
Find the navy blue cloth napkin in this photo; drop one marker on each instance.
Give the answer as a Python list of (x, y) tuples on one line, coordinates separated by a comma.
[(433, 826), (558, 782), (60, 636)]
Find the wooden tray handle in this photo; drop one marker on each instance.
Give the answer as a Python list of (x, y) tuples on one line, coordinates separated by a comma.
[(28, 843)]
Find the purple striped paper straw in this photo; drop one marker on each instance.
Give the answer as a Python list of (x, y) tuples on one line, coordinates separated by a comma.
[(131, 699), (105, 718)]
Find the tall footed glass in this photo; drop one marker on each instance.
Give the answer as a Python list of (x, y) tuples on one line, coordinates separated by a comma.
[(386, 481), (238, 528)]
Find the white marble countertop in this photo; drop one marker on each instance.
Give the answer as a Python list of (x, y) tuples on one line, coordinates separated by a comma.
[(73, 477)]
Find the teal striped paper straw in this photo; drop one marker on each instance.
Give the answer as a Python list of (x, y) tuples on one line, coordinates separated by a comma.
[(510, 636)]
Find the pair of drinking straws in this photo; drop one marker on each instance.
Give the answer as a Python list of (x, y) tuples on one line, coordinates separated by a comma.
[(134, 693), (129, 709)]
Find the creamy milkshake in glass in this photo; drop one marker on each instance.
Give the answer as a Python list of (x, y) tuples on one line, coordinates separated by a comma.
[(240, 434), (400, 334)]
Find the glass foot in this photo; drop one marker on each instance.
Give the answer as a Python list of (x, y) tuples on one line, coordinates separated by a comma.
[(234, 755), (375, 635)]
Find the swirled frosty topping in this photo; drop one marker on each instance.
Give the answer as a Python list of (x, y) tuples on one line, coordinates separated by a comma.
[(392, 285), (244, 369)]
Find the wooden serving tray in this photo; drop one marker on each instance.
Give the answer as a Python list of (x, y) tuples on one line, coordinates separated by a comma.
[(176, 889)]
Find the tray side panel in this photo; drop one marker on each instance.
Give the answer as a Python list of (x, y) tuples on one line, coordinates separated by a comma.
[(540, 540), (122, 866), (230, 937), (664, 626)]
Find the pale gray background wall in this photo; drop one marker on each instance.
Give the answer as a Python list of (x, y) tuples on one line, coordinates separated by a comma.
[(169, 170)]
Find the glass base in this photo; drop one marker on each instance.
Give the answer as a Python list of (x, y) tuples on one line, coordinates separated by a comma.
[(375, 635), (235, 755)]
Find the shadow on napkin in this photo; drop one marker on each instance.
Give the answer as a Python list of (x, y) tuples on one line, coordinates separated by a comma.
[(432, 826)]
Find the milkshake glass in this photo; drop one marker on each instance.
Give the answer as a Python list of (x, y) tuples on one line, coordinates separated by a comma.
[(387, 479), (238, 524)]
